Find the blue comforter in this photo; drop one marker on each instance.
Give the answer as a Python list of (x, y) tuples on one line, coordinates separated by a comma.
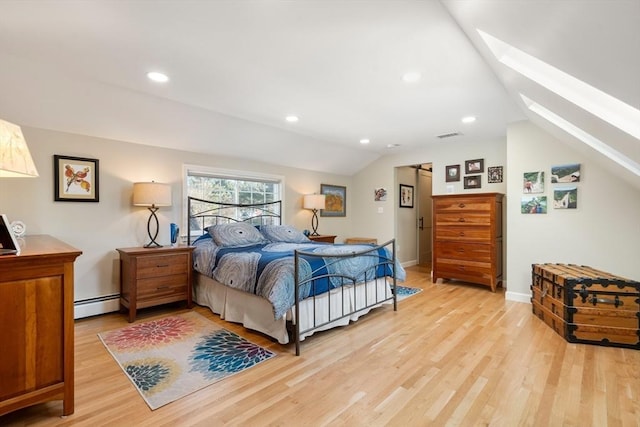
[(267, 270)]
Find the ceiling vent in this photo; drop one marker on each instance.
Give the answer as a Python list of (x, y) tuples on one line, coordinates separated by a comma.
[(449, 135)]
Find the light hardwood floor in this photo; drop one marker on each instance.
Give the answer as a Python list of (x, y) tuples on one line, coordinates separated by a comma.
[(452, 355)]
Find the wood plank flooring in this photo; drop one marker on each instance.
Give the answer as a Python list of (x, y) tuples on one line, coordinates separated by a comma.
[(452, 355)]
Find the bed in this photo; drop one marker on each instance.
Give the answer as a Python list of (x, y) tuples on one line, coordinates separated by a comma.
[(251, 269)]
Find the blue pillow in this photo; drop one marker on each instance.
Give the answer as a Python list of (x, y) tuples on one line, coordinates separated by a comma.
[(236, 234), (283, 233)]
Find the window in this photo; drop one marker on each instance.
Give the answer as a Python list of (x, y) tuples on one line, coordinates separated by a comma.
[(228, 186)]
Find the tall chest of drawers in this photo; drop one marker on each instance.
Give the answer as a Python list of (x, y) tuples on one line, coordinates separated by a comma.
[(467, 237)]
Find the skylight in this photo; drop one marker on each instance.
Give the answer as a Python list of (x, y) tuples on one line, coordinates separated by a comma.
[(583, 136), (606, 107)]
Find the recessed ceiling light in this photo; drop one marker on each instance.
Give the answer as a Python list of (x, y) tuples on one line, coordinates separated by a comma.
[(411, 77), (364, 141), (157, 77), (468, 119), (291, 119), (393, 145)]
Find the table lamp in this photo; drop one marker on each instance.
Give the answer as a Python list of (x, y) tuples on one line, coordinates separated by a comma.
[(152, 195), (15, 158), (314, 202)]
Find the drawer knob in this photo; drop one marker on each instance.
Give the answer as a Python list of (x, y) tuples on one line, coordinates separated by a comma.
[(461, 205), (461, 250), (162, 265), (461, 234), (460, 219)]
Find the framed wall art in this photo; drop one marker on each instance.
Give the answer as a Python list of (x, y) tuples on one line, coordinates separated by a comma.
[(494, 174), (472, 181), (335, 200), (75, 179), (380, 194), (406, 196), (533, 182), (474, 166), (565, 173), (533, 205), (452, 173), (565, 198)]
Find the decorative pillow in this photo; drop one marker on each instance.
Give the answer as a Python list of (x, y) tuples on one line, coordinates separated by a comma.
[(283, 233), (236, 234)]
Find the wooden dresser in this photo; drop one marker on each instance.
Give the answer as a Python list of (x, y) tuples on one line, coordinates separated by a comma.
[(467, 237), (154, 276), (36, 318)]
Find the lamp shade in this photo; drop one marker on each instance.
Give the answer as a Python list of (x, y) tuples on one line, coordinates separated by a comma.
[(15, 158), (151, 194), (314, 201)]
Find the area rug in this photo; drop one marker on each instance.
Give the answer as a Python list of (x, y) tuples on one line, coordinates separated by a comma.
[(406, 292), (169, 358)]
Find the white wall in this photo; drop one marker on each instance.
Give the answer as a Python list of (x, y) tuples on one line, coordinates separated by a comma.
[(99, 228), (603, 232), (406, 228), (381, 173)]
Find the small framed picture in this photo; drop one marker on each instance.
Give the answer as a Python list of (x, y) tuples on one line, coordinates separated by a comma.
[(533, 205), (472, 181), (380, 194), (335, 200), (533, 182), (494, 174), (406, 196), (565, 173), (75, 179), (452, 173), (565, 198), (474, 166)]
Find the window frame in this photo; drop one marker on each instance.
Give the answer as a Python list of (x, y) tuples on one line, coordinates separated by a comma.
[(216, 172)]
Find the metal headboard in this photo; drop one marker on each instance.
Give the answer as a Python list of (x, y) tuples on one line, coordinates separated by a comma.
[(204, 213)]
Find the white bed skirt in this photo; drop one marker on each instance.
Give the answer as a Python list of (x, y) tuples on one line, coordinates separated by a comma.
[(256, 313)]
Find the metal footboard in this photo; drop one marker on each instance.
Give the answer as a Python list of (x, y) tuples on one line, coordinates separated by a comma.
[(349, 293)]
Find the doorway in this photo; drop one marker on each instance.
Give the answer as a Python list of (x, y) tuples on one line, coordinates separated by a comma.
[(425, 210)]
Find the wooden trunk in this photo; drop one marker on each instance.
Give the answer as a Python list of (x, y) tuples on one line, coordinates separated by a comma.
[(585, 305)]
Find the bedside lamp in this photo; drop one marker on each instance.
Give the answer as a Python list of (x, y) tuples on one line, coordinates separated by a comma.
[(314, 202), (15, 158), (152, 195)]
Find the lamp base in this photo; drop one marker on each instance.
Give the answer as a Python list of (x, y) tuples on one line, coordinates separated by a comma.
[(314, 223), (153, 243)]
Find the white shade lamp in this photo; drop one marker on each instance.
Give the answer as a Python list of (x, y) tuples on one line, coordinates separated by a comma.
[(15, 158), (152, 195), (314, 202)]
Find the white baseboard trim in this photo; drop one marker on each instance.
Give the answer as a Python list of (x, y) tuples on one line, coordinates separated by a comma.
[(517, 296), (409, 263), (95, 306)]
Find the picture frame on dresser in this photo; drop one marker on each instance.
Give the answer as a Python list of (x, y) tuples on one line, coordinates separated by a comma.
[(76, 179)]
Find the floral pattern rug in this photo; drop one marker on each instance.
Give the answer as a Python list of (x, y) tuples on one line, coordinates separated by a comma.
[(169, 358), (405, 292)]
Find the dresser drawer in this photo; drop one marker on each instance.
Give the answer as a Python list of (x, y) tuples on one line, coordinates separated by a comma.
[(463, 218), (162, 265), (461, 233), (462, 204), (477, 272), (463, 251)]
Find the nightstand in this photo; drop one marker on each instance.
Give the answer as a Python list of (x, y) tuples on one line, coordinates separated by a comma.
[(360, 241), (154, 276), (325, 239)]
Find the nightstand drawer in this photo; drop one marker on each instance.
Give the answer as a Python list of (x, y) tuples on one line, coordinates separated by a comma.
[(462, 204), (161, 287), (162, 265)]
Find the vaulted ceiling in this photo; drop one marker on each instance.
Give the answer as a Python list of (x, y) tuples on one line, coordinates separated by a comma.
[(238, 68)]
